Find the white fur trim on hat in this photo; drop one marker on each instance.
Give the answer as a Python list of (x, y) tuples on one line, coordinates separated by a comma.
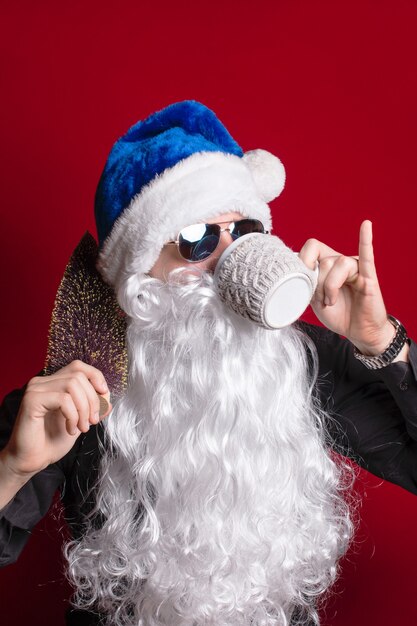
[(204, 185)]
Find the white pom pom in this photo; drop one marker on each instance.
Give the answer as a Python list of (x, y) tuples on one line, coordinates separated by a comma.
[(268, 173)]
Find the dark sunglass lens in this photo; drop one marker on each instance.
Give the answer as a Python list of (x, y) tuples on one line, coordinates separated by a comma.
[(244, 227), (198, 241)]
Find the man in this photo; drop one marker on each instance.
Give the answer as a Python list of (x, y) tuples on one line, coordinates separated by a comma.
[(209, 495)]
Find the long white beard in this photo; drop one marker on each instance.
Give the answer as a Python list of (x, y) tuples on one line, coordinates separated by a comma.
[(221, 503)]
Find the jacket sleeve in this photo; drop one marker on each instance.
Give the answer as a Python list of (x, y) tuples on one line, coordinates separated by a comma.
[(32, 502), (372, 414)]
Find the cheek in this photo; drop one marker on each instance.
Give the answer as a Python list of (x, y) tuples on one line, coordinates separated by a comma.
[(168, 260)]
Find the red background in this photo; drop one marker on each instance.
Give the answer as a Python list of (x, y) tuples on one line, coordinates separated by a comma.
[(330, 87)]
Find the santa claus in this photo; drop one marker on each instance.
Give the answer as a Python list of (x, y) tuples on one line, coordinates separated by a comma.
[(210, 495)]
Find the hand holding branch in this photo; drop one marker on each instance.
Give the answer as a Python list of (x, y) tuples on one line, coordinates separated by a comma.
[(54, 411)]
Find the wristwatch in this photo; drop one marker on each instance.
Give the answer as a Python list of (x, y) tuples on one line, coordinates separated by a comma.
[(388, 355)]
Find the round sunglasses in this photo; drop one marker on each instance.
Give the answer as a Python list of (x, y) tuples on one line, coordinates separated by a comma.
[(198, 241)]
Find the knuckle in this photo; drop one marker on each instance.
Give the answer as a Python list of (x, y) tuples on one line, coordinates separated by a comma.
[(77, 365), (28, 398), (343, 260), (310, 245), (66, 401), (72, 386), (326, 263), (65, 398), (79, 376), (32, 382)]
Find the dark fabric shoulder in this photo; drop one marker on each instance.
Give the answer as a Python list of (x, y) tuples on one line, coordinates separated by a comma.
[(372, 414)]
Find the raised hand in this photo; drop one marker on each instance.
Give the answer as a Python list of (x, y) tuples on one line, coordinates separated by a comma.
[(348, 298)]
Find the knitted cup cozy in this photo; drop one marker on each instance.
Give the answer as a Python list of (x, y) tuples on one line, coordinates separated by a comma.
[(261, 279)]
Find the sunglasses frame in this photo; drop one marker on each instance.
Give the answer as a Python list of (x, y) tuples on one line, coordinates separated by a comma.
[(222, 230)]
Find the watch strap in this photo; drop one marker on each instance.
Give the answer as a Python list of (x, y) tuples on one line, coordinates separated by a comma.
[(388, 355)]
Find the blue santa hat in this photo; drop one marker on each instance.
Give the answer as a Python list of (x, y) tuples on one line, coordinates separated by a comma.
[(177, 167)]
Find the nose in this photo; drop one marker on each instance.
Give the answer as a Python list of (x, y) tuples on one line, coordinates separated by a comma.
[(224, 242)]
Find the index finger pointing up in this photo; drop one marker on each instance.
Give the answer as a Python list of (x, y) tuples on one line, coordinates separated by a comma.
[(366, 251)]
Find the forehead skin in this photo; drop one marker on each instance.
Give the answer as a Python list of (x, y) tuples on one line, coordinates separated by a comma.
[(170, 259)]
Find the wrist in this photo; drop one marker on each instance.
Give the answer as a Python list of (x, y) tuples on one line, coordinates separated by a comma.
[(395, 351), (380, 342), (9, 470), (10, 481)]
